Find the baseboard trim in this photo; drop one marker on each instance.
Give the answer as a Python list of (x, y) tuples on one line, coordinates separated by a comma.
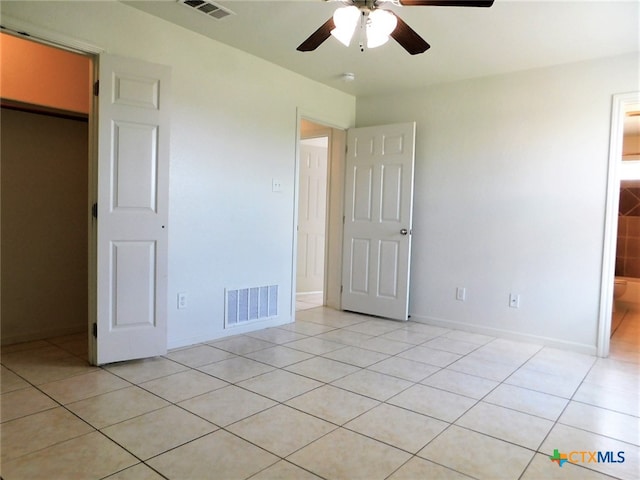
[(506, 334), (220, 334), (42, 334)]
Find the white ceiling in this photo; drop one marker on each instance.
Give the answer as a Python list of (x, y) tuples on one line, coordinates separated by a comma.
[(510, 36)]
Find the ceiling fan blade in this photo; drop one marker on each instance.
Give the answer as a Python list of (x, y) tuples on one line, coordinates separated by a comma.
[(446, 3), (408, 38), (317, 37)]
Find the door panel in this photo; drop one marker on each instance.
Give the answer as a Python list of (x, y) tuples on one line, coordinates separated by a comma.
[(377, 230), (129, 89), (391, 189), (134, 284), (362, 193), (133, 168), (359, 280), (387, 269), (135, 164)]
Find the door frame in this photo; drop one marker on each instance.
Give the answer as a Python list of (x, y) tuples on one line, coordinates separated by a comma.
[(621, 103), (55, 39), (334, 210)]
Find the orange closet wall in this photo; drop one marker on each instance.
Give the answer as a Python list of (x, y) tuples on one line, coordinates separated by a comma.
[(37, 74)]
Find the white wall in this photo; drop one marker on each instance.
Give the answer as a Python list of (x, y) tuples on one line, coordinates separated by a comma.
[(510, 196), (234, 127)]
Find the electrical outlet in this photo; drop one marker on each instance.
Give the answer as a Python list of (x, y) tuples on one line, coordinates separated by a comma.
[(461, 294), (514, 300), (182, 300), (276, 185)]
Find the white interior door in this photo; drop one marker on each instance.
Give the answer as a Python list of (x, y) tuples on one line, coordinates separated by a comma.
[(133, 169), (312, 212), (378, 214)]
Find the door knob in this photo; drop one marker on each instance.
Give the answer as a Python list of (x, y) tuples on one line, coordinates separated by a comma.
[(404, 231)]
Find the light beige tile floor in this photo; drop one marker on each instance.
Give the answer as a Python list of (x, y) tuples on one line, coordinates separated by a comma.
[(305, 301), (335, 396)]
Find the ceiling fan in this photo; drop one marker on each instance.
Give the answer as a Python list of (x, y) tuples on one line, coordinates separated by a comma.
[(378, 24)]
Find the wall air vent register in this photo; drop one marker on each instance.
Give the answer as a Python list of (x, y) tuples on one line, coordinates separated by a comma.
[(250, 304)]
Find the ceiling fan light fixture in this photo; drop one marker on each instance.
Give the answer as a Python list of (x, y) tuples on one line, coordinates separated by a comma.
[(380, 25), (375, 39), (345, 20), (376, 24)]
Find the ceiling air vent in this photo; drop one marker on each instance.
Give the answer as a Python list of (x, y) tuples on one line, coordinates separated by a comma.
[(208, 8)]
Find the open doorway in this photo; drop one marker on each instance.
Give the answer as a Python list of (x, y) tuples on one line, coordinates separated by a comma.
[(625, 321), (623, 173), (322, 263), (45, 134), (312, 221)]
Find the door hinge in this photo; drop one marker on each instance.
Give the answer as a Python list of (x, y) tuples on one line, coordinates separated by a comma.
[(96, 88), (95, 330), (341, 288), (94, 210), (343, 219)]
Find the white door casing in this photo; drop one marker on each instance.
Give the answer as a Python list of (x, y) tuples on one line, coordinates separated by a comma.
[(312, 211), (621, 104), (132, 204), (378, 220)]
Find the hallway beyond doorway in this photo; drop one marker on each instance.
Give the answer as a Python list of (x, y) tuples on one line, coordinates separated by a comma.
[(305, 301)]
